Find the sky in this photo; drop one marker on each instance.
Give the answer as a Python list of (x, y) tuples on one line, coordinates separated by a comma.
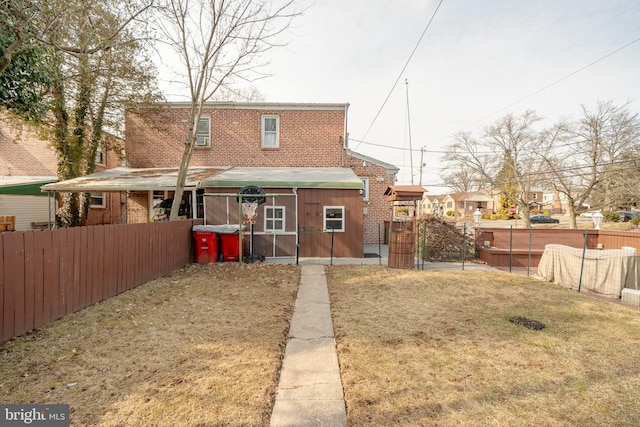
[(476, 62)]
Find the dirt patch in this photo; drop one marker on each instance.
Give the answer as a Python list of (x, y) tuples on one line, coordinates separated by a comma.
[(202, 346), (527, 323)]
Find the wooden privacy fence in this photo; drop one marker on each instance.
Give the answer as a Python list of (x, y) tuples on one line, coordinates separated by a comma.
[(45, 275), (522, 247)]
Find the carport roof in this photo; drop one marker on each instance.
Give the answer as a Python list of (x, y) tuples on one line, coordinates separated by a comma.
[(124, 178), (285, 177), (138, 179)]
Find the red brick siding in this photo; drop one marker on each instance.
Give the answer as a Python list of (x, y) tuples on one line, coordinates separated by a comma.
[(378, 208), (23, 153), (138, 207), (308, 138)]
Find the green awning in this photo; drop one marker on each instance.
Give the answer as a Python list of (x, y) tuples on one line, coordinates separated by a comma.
[(25, 187)]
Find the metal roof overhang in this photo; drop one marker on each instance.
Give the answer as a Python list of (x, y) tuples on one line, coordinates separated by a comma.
[(285, 177), (131, 179), (25, 185)]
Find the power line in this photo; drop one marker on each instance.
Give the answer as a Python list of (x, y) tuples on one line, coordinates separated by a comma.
[(501, 109), (558, 81), (402, 71)]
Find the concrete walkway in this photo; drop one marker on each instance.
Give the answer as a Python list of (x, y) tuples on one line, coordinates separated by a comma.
[(310, 389)]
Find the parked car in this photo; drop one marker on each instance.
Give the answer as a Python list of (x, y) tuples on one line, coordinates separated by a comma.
[(588, 214), (626, 216), (543, 219)]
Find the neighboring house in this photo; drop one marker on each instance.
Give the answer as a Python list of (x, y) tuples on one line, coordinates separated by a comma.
[(555, 202), (467, 203), (536, 199), (28, 162), (256, 135), (435, 204)]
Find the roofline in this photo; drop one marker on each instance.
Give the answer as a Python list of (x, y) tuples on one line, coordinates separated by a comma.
[(347, 180), (388, 166), (284, 184), (253, 105)]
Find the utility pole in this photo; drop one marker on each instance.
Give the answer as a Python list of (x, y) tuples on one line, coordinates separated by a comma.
[(421, 164), (406, 82)]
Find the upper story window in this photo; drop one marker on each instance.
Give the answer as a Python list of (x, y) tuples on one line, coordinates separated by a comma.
[(203, 133), (270, 131), (101, 156), (365, 188)]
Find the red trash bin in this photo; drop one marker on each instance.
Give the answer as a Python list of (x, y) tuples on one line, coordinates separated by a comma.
[(230, 246), (203, 241)]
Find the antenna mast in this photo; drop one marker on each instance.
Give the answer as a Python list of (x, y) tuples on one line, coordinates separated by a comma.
[(406, 83)]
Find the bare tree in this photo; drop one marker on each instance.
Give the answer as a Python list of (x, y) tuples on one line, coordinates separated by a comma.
[(219, 42), (596, 162), (462, 179), (617, 133), (506, 157)]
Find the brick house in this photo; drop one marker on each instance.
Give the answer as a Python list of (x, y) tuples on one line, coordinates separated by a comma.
[(276, 135), (27, 162)]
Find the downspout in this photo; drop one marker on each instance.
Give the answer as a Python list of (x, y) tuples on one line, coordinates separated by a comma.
[(346, 133), (345, 136)]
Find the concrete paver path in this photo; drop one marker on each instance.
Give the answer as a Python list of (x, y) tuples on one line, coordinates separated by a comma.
[(310, 389)]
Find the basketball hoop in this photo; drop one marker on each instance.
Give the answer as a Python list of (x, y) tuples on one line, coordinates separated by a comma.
[(249, 212)]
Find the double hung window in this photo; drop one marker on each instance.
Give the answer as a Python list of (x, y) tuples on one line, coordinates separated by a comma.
[(203, 132), (270, 131)]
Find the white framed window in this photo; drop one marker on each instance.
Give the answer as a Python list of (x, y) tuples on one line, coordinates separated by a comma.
[(203, 132), (274, 219), (97, 200), (365, 188), (333, 218), (270, 131), (101, 156)]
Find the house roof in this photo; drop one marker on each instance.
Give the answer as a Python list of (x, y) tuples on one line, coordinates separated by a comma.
[(471, 196), (388, 166), (283, 177), (24, 185), (257, 105), (124, 178)]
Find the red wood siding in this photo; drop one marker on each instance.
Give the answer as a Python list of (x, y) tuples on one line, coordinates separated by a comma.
[(45, 275)]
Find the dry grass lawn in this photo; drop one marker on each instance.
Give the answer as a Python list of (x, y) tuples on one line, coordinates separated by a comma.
[(202, 346), (437, 348)]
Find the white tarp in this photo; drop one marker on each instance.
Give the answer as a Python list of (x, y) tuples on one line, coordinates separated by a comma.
[(605, 272)]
